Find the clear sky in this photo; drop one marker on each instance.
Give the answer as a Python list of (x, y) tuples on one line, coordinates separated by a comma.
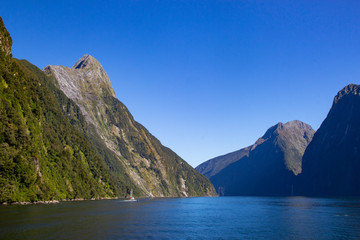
[(205, 77)]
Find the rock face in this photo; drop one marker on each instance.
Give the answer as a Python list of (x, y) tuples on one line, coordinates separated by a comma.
[(154, 169), (331, 163), (86, 82), (268, 167), (5, 40)]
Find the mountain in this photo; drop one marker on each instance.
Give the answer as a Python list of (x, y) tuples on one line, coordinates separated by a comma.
[(331, 163), (42, 156), (153, 169), (268, 167), (215, 165), (53, 148)]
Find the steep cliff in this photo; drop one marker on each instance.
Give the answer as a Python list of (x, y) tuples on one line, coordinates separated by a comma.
[(154, 169), (331, 163), (42, 156), (5, 40)]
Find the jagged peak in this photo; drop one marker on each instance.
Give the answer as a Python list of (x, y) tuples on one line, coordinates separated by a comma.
[(351, 89), (88, 69), (295, 124), (87, 62)]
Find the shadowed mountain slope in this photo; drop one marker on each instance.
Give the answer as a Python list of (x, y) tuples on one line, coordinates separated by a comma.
[(215, 165), (269, 166), (331, 163)]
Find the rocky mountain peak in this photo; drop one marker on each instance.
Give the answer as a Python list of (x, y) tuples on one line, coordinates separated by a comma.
[(292, 138), (280, 128), (301, 127), (350, 89), (5, 39), (86, 77), (295, 124), (87, 62)]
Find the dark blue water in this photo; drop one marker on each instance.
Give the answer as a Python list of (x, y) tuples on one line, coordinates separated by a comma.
[(186, 218)]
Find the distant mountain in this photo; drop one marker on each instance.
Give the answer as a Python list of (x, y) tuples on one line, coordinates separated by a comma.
[(131, 150), (331, 163), (268, 167), (215, 165)]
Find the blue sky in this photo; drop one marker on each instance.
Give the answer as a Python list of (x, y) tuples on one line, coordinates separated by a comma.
[(205, 77)]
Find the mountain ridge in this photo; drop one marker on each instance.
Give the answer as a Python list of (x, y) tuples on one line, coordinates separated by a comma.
[(211, 167), (146, 161), (269, 166)]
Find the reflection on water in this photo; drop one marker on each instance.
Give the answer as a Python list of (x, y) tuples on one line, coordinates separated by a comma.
[(189, 218)]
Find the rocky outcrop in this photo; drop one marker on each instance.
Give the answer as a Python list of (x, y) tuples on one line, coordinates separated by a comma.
[(85, 83), (153, 168), (349, 90), (331, 163), (269, 166), (5, 40)]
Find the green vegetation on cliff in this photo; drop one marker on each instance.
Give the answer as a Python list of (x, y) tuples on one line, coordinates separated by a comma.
[(51, 149), (153, 169), (42, 156), (165, 172), (73, 113)]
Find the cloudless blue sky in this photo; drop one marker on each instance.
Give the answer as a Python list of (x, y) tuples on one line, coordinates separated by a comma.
[(205, 77)]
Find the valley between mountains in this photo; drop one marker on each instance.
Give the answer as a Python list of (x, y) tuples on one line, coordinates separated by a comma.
[(64, 135)]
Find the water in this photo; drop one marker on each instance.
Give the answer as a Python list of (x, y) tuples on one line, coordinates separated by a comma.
[(186, 218)]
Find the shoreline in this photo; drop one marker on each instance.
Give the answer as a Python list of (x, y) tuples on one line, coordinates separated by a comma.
[(58, 201), (83, 199)]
